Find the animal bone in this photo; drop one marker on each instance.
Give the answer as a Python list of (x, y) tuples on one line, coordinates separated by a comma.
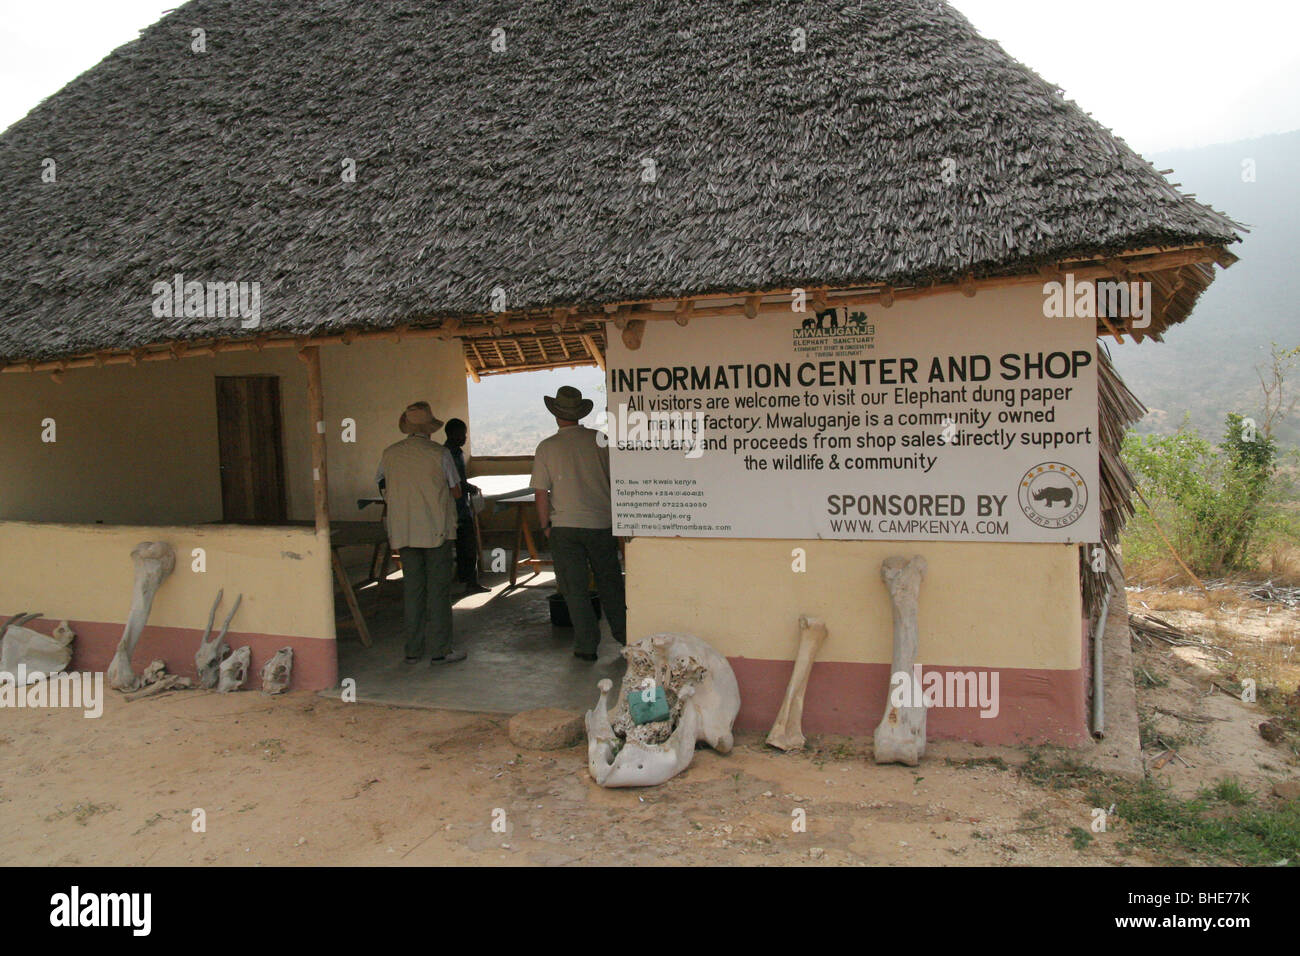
[(155, 672), (900, 738), (209, 656), (163, 684), (703, 700), (154, 560), (787, 732), (234, 670), (36, 652), (278, 672)]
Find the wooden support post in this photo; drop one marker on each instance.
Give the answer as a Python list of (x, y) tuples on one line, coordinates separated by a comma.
[(316, 402), (633, 332), (594, 349), (469, 367), (683, 314), (1111, 328)]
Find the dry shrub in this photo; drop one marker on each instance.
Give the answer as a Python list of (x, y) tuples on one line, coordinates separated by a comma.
[(1280, 563)]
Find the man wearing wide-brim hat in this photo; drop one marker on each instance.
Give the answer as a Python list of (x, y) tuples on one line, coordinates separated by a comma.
[(571, 483), (421, 484)]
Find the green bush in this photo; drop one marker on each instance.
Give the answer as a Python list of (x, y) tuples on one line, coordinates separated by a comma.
[(1213, 501)]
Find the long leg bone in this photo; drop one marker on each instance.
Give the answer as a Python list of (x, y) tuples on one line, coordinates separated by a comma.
[(234, 670), (210, 654), (900, 738), (154, 560), (787, 732)]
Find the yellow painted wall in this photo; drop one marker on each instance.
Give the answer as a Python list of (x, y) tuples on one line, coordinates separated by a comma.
[(85, 572), (988, 605), (138, 445), (371, 383)]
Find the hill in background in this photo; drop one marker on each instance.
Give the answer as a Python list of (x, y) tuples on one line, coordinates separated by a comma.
[(1206, 367), (507, 415)]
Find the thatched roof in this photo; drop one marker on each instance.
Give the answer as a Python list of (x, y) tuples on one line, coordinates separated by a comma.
[(524, 169)]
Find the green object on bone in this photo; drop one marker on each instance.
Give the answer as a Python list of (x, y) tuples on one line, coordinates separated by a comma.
[(645, 711)]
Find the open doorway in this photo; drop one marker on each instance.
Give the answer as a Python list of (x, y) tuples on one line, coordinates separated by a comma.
[(519, 658)]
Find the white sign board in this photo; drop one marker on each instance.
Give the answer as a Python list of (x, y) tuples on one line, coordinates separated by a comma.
[(938, 419)]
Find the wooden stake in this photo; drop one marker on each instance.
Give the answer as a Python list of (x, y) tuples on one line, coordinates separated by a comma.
[(1152, 515), (316, 403)]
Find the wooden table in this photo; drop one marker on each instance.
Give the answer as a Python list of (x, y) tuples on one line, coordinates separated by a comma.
[(523, 505), (347, 534)]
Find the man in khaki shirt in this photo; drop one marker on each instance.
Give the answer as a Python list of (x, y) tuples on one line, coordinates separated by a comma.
[(571, 483), (421, 485)]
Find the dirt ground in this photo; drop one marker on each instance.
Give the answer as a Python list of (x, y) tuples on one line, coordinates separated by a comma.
[(1188, 696), (303, 780)]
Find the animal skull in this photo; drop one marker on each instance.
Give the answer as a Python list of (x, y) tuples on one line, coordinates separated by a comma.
[(208, 658), (703, 700), (278, 672), (234, 670), (36, 652), (154, 561)]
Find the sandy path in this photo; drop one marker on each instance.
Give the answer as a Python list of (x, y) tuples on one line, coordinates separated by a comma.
[(301, 780)]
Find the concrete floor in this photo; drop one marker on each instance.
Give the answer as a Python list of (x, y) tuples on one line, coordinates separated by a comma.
[(517, 659)]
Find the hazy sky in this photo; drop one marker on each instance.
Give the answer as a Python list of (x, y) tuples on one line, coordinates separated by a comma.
[(1161, 73)]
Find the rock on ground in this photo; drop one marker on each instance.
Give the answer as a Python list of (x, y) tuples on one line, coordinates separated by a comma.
[(546, 729)]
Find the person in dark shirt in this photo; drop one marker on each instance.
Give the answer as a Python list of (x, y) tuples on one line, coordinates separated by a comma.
[(467, 554)]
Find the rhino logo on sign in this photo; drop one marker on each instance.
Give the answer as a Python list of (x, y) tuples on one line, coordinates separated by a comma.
[(1048, 485), (1049, 495)]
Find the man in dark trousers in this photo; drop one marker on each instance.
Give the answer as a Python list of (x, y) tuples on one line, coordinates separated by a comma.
[(571, 483), (421, 486), (466, 534)]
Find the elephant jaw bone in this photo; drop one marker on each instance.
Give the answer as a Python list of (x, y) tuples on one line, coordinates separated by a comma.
[(601, 738), (900, 738), (154, 561), (703, 702), (787, 731), (647, 765), (234, 670), (208, 658)]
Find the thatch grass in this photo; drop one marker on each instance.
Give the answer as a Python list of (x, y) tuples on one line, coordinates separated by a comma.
[(523, 170)]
